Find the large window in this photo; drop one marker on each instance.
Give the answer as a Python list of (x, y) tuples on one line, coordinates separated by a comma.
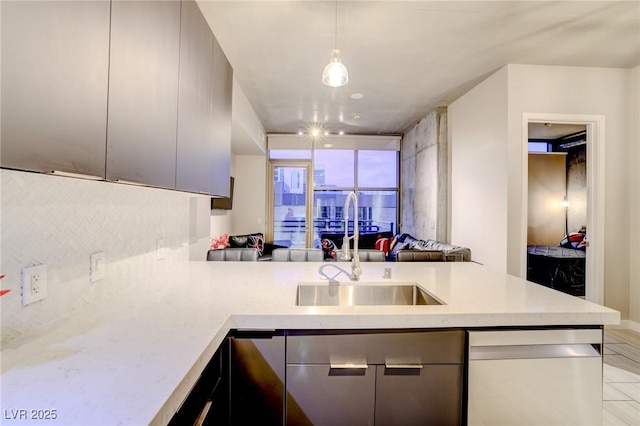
[(372, 171), (372, 174)]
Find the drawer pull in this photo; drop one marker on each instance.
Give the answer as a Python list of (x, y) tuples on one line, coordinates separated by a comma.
[(349, 366), (403, 366)]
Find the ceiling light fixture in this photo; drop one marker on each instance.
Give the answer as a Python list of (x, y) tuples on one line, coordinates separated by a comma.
[(335, 74), (314, 131)]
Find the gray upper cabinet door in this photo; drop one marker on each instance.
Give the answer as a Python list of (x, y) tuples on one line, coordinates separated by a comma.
[(222, 98), (143, 92), (55, 59), (195, 166)]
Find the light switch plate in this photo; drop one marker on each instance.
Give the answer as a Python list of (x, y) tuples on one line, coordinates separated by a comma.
[(34, 284), (98, 266)]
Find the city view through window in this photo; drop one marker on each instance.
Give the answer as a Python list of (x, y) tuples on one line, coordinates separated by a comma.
[(336, 173)]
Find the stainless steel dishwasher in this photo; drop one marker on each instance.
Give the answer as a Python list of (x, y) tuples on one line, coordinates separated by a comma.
[(526, 377)]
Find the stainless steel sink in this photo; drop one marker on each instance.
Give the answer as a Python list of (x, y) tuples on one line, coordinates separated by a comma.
[(365, 294)]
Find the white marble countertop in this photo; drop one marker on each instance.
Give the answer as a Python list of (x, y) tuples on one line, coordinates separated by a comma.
[(132, 359)]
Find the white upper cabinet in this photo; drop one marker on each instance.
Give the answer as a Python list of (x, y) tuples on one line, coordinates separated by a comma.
[(55, 63), (143, 92)]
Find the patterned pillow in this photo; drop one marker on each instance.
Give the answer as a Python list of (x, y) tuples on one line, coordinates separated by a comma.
[(257, 242), (582, 245), (243, 241), (573, 240), (329, 248), (238, 241), (382, 244), (221, 241), (392, 243)]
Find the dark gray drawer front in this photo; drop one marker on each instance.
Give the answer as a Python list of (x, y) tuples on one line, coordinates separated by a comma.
[(426, 396), (432, 347), (320, 395)]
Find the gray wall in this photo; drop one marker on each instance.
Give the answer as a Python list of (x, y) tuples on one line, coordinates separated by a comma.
[(424, 177)]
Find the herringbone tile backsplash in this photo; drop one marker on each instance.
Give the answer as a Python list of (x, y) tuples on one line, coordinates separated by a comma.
[(61, 221)]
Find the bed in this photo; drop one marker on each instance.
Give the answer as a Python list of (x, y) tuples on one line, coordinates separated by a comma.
[(560, 268)]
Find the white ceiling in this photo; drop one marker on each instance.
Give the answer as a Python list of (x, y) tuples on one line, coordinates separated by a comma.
[(553, 131), (405, 57)]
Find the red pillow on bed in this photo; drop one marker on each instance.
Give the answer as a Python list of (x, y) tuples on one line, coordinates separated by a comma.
[(574, 240)]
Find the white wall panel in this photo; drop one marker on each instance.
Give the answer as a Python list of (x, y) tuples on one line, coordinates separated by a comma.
[(479, 169)]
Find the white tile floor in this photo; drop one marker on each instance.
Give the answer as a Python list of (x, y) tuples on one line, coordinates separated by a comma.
[(621, 381), (621, 397)]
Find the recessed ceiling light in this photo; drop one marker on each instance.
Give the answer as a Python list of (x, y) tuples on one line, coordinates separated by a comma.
[(300, 133), (357, 96), (341, 132), (326, 133)]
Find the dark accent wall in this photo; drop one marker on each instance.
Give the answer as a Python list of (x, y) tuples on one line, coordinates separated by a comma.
[(577, 187)]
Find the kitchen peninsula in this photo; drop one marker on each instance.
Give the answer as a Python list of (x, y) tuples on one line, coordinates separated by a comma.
[(134, 358)]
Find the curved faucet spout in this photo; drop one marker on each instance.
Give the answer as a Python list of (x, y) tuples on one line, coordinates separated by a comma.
[(337, 271), (355, 264)]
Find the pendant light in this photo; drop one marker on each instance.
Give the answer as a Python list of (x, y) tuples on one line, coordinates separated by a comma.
[(335, 74)]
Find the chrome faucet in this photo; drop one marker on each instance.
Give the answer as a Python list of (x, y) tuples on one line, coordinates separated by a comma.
[(356, 271)]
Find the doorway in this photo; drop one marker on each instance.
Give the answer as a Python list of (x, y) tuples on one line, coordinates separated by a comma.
[(557, 211), (593, 212)]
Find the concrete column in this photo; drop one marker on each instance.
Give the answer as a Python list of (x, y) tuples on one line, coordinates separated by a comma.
[(424, 177)]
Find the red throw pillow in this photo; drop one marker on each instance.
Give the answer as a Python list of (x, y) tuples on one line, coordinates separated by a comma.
[(382, 244)]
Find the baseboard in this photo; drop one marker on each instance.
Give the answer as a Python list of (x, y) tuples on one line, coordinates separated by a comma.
[(631, 325)]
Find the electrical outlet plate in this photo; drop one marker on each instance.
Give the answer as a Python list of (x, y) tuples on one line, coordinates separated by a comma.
[(98, 266), (34, 284)]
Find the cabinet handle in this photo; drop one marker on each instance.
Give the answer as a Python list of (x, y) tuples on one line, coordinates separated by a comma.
[(403, 366), (130, 182), (350, 366)]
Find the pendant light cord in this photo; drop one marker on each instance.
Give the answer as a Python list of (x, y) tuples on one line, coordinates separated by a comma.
[(336, 27)]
